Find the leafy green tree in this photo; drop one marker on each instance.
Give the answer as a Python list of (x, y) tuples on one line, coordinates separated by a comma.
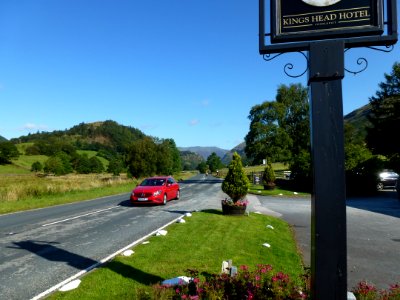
[(8, 151), (168, 157), (236, 183), (279, 130), (54, 165), (96, 166), (214, 162), (115, 166), (36, 166), (355, 148), (141, 158), (385, 115), (202, 167), (82, 164)]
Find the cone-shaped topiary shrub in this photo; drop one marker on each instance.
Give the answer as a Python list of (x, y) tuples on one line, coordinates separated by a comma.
[(236, 183), (268, 178)]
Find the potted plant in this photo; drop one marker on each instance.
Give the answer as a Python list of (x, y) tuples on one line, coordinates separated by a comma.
[(268, 178), (235, 185)]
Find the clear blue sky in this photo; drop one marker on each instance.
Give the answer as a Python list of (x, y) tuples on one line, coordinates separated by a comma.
[(182, 69)]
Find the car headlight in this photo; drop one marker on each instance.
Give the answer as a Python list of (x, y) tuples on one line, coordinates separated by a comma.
[(157, 193)]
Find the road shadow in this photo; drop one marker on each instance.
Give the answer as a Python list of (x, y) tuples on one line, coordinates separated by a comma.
[(385, 202), (49, 251), (212, 180)]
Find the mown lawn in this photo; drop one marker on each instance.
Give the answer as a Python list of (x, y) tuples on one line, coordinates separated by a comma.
[(202, 243)]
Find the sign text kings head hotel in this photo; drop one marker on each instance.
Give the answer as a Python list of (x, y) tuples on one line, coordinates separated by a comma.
[(325, 18)]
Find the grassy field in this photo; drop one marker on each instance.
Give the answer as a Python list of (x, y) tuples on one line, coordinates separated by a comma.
[(27, 191), (258, 189), (202, 243)]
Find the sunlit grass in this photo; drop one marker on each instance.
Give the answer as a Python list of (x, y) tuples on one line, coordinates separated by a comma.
[(28, 191), (202, 243), (258, 189)]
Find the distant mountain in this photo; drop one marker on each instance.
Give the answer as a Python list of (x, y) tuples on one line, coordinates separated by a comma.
[(205, 152), (240, 150), (190, 160), (358, 118), (2, 139)]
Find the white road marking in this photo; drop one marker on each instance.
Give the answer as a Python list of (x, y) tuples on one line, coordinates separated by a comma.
[(80, 216), (104, 260)]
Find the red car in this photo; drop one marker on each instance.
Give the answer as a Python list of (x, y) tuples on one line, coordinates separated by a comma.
[(157, 190)]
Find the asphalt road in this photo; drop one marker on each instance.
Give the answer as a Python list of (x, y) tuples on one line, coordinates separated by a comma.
[(373, 234), (41, 248)]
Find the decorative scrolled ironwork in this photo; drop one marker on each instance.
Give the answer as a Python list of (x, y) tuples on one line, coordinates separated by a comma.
[(289, 66), (363, 61), (269, 57), (360, 61), (387, 50)]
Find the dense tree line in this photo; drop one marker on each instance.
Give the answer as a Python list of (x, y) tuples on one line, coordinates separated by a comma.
[(149, 156), (279, 131), (125, 148)]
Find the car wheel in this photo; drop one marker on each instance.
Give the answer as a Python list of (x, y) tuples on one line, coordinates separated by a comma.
[(379, 186), (165, 199), (178, 194)]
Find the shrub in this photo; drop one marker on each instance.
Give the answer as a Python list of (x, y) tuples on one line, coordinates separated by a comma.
[(236, 183), (268, 178)]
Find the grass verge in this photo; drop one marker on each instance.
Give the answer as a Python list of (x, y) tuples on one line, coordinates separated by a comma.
[(20, 192), (258, 189), (202, 243)]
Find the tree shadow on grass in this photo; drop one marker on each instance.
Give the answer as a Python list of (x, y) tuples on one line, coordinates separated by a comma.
[(49, 251), (133, 273)]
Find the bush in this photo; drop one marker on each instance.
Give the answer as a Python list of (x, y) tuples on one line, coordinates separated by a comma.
[(236, 183), (268, 178)]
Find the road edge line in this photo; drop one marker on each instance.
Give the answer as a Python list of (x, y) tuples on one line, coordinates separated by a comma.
[(102, 261)]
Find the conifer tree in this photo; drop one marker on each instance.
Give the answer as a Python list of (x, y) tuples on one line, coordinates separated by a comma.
[(236, 183)]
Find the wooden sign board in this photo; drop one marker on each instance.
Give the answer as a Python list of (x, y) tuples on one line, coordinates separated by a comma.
[(305, 20)]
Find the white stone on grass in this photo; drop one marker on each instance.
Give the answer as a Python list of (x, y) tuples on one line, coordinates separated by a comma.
[(128, 253), (296, 193), (146, 242), (181, 221), (70, 286), (267, 245), (161, 232), (188, 215), (270, 226)]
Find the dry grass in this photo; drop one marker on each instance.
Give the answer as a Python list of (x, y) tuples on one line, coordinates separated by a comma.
[(18, 187)]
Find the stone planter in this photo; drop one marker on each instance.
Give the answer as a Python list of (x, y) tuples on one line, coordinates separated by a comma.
[(233, 210)]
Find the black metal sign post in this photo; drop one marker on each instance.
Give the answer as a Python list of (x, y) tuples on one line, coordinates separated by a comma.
[(328, 223), (326, 29)]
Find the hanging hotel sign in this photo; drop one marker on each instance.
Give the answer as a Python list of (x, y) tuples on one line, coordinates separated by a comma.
[(301, 20)]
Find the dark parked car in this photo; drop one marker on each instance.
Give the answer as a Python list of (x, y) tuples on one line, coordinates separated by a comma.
[(387, 179), (398, 188), (157, 190)]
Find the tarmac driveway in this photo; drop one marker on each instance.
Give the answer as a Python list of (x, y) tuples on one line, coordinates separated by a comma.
[(373, 234)]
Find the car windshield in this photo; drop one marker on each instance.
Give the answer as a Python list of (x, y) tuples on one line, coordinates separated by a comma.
[(153, 182)]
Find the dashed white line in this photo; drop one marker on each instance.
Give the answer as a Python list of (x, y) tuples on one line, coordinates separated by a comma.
[(80, 216)]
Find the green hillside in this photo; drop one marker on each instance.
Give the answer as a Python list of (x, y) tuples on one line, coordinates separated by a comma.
[(358, 119)]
